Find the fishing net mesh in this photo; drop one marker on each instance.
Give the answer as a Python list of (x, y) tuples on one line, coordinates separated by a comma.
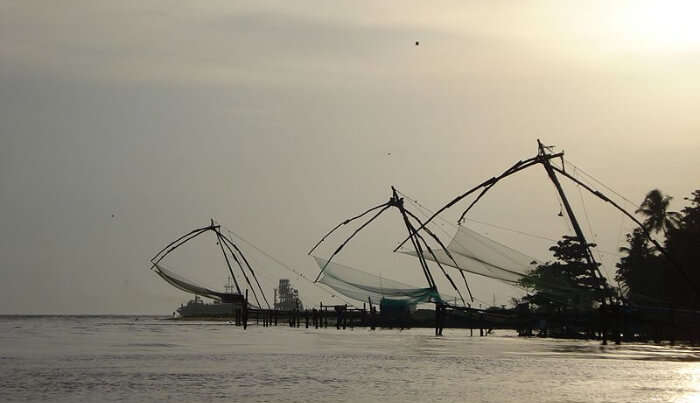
[(475, 253), (184, 284), (472, 252), (363, 286)]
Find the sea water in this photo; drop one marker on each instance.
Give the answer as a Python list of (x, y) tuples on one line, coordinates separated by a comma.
[(135, 359)]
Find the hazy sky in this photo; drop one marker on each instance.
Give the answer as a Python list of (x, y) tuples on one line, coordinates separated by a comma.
[(277, 119)]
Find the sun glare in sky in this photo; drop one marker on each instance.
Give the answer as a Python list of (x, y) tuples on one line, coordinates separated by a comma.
[(671, 26)]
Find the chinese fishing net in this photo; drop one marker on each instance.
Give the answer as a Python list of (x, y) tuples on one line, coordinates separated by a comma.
[(475, 253), (362, 286), (186, 285)]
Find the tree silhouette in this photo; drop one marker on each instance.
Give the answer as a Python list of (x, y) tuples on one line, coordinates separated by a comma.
[(650, 279), (655, 208), (565, 283), (641, 271)]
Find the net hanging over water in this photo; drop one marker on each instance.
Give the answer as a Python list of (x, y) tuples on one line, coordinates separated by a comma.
[(475, 253), (361, 286), (186, 285)]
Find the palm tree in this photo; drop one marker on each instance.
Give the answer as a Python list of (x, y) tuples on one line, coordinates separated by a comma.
[(654, 207)]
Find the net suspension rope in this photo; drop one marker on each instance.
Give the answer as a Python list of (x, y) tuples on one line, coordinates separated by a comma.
[(284, 265)]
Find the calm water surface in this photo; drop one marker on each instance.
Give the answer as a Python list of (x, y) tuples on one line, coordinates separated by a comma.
[(73, 359)]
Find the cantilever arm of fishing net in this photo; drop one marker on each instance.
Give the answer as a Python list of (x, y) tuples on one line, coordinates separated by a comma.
[(444, 248), (661, 249), (520, 165), (238, 262), (282, 264), (416, 243), (229, 241), (487, 183), (177, 243), (384, 207), (430, 250), (449, 254), (228, 263), (445, 207), (349, 220)]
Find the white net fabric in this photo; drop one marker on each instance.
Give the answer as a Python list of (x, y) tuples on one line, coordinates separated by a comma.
[(475, 253), (184, 284), (362, 286)]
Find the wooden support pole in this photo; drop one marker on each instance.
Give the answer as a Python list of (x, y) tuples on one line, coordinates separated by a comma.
[(481, 324), (228, 263), (363, 319), (245, 311), (443, 316), (437, 319), (345, 316), (604, 324), (370, 318), (590, 259)]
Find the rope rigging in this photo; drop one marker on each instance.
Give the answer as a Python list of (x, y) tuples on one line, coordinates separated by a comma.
[(228, 249), (418, 241), (426, 212), (283, 265), (545, 156)]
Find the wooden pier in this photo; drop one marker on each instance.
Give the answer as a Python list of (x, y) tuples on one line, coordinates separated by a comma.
[(618, 325)]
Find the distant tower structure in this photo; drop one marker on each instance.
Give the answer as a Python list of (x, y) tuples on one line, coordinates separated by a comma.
[(287, 297)]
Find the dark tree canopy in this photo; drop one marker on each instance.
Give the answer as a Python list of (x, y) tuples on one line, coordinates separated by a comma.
[(567, 282), (648, 278), (655, 209)]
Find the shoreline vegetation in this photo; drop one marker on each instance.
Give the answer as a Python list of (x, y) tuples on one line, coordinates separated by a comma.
[(656, 295)]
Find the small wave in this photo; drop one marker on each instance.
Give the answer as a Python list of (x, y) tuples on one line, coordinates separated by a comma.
[(165, 345)]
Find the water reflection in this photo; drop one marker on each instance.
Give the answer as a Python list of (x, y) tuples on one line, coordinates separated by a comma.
[(118, 360), (690, 377), (593, 349)]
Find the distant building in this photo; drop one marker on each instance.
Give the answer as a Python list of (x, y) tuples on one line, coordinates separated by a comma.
[(286, 297)]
